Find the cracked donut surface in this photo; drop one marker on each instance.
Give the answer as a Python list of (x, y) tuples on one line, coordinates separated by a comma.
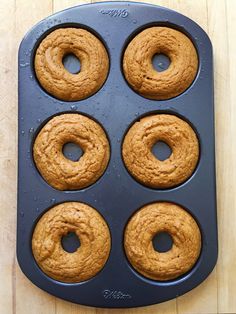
[(55, 78), (60, 172), (151, 220), (144, 78), (92, 232), (144, 166)]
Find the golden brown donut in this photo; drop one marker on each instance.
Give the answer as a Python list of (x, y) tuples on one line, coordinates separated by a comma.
[(144, 166), (142, 76), (151, 220), (60, 172), (54, 77), (92, 232)]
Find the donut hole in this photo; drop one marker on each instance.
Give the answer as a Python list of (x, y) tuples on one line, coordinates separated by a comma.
[(162, 242), (71, 63), (161, 150), (70, 242), (72, 151), (160, 62)]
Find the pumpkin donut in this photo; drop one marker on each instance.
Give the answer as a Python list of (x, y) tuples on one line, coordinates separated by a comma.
[(145, 167), (54, 77), (142, 76), (92, 232), (60, 172), (151, 220)]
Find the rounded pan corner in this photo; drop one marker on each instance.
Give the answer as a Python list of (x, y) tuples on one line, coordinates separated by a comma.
[(22, 264), (28, 33), (214, 260)]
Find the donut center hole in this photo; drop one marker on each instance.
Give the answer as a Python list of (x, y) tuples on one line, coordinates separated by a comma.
[(71, 63), (70, 242), (160, 62), (162, 242), (72, 151), (161, 150)]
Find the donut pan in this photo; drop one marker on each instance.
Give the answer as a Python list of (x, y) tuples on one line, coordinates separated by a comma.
[(116, 195)]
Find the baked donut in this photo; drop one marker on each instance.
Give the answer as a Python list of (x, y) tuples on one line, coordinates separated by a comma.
[(142, 76), (144, 166), (60, 172), (92, 231), (151, 220), (54, 77)]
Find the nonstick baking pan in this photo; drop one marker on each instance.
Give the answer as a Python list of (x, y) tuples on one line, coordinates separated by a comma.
[(116, 195)]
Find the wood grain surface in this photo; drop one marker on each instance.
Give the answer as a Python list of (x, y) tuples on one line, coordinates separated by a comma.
[(216, 294)]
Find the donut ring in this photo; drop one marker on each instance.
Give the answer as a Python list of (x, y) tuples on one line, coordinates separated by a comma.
[(145, 167), (142, 76), (151, 220), (60, 172), (92, 231), (54, 77)]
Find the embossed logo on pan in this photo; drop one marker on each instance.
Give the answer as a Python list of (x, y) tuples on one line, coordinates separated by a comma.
[(115, 294), (115, 12)]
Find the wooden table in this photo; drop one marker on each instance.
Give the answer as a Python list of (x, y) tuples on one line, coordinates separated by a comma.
[(217, 293)]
